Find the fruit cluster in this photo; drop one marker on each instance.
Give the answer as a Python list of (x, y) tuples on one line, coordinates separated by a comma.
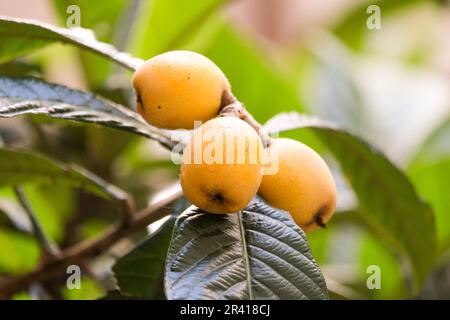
[(225, 164)]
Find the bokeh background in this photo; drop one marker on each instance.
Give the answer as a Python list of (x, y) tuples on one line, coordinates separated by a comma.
[(390, 85)]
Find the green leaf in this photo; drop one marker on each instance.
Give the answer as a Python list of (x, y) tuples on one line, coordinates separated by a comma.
[(52, 215), (89, 290), (108, 23), (352, 29), (140, 272), (21, 36), (19, 252), (164, 24), (254, 77), (13, 48), (432, 182), (91, 227), (94, 15), (374, 253), (388, 202), (18, 167), (430, 172), (259, 253), (436, 146), (20, 96)]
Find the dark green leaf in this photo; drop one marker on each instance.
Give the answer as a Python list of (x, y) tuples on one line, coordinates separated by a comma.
[(259, 253), (115, 295), (388, 202), (140, 272), (20, 96), (21, 36), (18, 167), (19, 68)]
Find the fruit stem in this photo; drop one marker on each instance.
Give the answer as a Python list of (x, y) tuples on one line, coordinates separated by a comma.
[(231, 107)]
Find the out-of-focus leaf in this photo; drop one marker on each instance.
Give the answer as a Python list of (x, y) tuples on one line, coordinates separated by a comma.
[(95, 15), (153, 33), (105, 22), (102, 152), (318, 242), (352, 28), (259, 253), (264, 90), (436, 146), (362, 94), (432, 181), (335, 92), (91, 227), (352, 255), (19, 252), (51, 214), (430, 172), (22, 36), (140, 273), (19, 68), (374, 254), (13, 47), (89, 290), (21, 296), (388, 202), (20, 96), (18, 167)]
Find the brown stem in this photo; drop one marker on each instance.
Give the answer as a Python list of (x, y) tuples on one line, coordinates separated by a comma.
[(247, 117), (127, 210), (231, 107), (89, 248)]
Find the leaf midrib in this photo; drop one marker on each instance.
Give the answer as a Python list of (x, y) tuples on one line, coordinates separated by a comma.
[(245, 254)]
